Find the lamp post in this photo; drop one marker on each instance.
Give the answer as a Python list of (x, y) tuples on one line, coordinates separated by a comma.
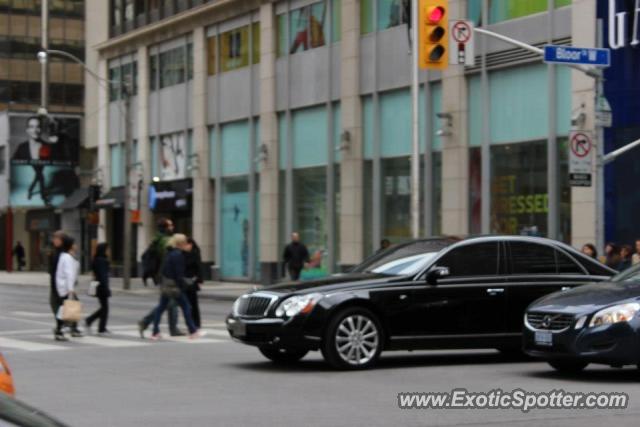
[(126, 87)]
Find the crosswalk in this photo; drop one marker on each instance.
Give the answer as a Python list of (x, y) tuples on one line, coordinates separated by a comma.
[(122, 336)]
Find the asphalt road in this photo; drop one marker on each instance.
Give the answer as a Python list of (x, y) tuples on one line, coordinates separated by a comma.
[(125, 381)]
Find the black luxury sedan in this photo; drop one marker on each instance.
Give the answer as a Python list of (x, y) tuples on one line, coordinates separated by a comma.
[(597, 323), (427, 294)]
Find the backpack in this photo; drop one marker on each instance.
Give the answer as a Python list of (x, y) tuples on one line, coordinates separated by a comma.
[(151, 258)]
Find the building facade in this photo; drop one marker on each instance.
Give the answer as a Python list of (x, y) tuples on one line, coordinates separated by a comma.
[(253, 119), (32, 190)]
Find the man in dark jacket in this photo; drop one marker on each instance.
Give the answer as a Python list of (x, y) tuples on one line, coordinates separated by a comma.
[(296, 255), (18, 252)]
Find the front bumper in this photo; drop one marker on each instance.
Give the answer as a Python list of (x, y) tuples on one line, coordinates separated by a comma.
[(616, 344), (272, 332)]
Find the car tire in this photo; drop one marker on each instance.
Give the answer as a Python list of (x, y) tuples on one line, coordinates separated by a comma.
[(282, 355), (353, 340), (568, 366)]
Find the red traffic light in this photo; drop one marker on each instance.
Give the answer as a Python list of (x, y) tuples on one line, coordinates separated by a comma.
[(435, 14)]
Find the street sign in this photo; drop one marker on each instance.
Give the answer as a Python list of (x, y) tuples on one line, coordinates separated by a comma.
[(604, 117), (576, 55), (461, 43), (580, 159)]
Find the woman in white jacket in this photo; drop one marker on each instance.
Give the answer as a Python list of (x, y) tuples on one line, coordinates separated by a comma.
[(66, 280)]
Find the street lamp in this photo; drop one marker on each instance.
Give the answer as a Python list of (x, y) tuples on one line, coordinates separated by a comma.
[(43, 57)]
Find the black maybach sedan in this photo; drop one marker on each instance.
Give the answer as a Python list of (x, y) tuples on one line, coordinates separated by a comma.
[(435, 293), (597, 323)]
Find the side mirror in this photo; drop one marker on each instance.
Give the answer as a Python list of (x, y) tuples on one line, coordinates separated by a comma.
[(436, 273)]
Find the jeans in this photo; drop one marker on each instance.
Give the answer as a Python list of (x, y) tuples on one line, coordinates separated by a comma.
[(102, 313), (294, 273), (173, 317), (181, 300)]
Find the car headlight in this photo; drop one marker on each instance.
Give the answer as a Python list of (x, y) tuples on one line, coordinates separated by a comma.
[(615, 314), (300, 304)]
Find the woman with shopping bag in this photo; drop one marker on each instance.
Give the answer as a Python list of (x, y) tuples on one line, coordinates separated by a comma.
[(70, 310)]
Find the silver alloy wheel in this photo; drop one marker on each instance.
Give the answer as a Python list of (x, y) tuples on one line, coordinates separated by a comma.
[(357, 339)]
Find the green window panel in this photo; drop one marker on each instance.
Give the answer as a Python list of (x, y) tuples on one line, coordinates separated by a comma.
[(367, 126), (395, 123), (155, 160), (213, 164), (282, 140), (503, 10), (117, 165), (310, 136), (337, 131), (390, 14), (366, 16), (257, 141), (475, 111), (235, 148), (563, 100), (436, 107), (336, 24)]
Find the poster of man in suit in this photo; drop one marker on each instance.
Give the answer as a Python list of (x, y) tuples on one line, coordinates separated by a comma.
[(44, 153)]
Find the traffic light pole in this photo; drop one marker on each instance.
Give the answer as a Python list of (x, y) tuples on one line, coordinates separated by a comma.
[(44, 65), (126, 263), (415, 134)]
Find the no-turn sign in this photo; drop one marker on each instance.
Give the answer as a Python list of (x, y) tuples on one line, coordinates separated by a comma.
[(580, 158), (461, 49)]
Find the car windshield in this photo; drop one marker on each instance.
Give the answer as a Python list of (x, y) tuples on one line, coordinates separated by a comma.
[(630, 275), (404, 266)]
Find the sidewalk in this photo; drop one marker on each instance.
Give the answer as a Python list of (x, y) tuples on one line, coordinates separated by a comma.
[(223, 291)]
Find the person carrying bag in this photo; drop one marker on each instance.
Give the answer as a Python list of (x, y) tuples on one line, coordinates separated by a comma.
[(70, 309)]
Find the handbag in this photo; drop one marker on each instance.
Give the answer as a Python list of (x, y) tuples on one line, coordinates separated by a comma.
[(71, 311), (93, 288), (169, 288)]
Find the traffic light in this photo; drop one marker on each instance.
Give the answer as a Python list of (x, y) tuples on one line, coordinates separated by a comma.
[(433, 34)]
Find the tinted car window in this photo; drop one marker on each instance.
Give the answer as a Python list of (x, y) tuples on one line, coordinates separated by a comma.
[(566, 265), (479, 259), (595, 268), (531, 258)]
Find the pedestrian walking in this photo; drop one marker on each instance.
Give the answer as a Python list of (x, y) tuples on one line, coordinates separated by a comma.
[(625, 257), (589, 250), (635, 259), (194, 279), (154, 257), (66, 280), (101, 267), (384, 245), (611, 255), (174, 285), (295, 256), (18, 252)]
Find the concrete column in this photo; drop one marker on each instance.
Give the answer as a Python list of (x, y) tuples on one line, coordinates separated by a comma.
[(103, 145), (455, 147), (352, 163), (146, 227), (583, 199), (269, 190), (203, 212)]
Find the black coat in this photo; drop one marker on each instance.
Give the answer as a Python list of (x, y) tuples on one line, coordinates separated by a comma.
[(101, 267), (193, 265), (295, 255), (53, 268)]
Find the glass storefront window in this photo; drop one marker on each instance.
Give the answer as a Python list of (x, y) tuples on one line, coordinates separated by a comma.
[(234, 49), (255, 41), (283, 39), (336, 20), (310, 214), (234, 216), (396, 199)]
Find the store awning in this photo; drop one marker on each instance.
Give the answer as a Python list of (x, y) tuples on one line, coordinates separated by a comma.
[(78, 199), (113, 199)]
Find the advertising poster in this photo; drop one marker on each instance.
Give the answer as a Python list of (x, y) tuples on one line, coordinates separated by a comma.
[(173, 156), (44, 154)]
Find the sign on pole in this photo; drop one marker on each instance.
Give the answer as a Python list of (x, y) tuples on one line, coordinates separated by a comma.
[(576, 55), (580, 159), (461, 43)]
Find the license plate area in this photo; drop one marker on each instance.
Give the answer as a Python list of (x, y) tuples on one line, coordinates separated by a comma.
[(238, 329), (543, 338)]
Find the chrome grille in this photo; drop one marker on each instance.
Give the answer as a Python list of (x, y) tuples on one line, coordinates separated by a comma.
[(251, 305), (549, 321)]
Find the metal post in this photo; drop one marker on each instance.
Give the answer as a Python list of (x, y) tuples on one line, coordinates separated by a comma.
[(485, 148), (415, 146), (600, 212), (126, 274), (427, 192), (44, 65), (553, 212)]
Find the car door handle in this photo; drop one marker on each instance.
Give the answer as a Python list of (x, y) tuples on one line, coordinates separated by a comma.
[(494, 291)]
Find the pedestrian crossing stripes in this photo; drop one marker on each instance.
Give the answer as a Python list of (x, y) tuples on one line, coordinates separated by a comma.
[(121, 337)]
